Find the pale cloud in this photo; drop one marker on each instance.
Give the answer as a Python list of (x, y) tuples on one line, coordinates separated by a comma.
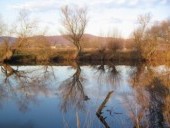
[(133, 2), (103, 14), (47, 4), (116, 20), (35, 5), (165, 2), (120, 2)]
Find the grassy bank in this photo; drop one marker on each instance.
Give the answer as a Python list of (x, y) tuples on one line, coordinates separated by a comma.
[(66, 54)]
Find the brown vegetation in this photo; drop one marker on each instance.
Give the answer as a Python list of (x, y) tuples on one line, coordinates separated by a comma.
[(149, 40), (24, 31), (152, 94)]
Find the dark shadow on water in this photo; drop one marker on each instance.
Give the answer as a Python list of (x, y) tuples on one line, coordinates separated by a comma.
[(158, 93), (81, 63)]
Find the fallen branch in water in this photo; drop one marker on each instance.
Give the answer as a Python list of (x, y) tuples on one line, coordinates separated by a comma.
[(99, 111)]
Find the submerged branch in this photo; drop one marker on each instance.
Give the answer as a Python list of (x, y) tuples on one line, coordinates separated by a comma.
[(104, 102), (99, 111)]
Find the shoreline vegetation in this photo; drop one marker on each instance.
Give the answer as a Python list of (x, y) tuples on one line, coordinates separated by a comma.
[(118, 50), (149, 42), (87, 56)]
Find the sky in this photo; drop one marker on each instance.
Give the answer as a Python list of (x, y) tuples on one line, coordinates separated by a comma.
[(105, 16)]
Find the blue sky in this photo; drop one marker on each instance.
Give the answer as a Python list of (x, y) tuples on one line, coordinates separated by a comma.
[(104, 15)]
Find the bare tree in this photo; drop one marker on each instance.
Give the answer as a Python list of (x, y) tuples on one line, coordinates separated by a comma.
[(144, 45), (23, 28), (27, 38), (4, 41), (161, 31), (139, 33), (147, 38), (74, 22)]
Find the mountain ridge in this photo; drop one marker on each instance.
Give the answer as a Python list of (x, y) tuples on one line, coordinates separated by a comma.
[(55, 40)]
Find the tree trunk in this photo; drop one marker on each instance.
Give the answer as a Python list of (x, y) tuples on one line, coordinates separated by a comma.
[(78, 52)]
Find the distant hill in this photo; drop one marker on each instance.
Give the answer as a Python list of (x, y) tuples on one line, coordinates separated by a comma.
[(52, 39), (10, 39), (58, 40)]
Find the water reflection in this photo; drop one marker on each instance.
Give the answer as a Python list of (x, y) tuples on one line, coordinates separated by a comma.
[(108, 74), (158, 92), (21, 86), (146, 105), (72, 90), (75, 95)]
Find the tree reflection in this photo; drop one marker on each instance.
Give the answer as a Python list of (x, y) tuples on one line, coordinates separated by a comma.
[(114, 75), (72, 91), (8, 71), (108, 74), (22, 86), (73, 96), (147, 104), (158, 92)]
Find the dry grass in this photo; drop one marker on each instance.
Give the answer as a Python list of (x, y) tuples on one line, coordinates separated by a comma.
[(91, 54)]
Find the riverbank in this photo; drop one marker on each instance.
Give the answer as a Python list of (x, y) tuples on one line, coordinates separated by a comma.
[(55, 56)]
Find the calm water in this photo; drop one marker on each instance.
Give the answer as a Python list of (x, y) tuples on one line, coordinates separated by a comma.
[(81, 96)]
